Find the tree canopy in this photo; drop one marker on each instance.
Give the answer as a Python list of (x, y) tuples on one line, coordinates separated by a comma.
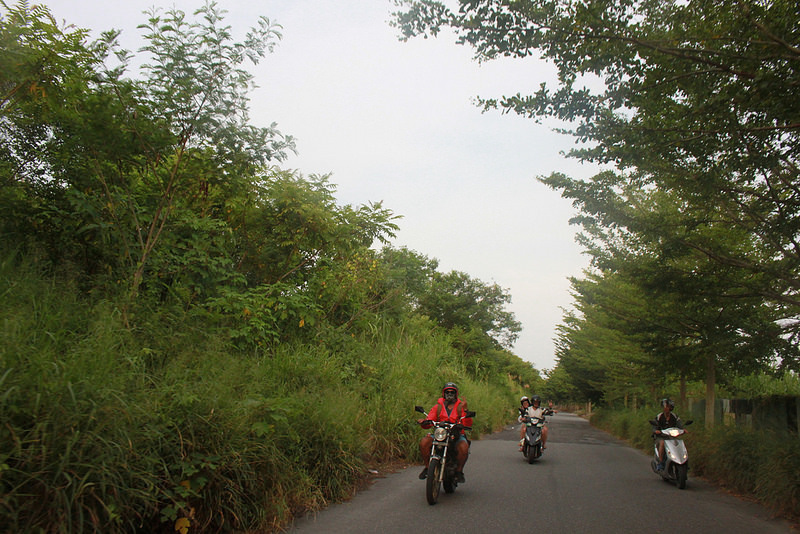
[(694, 105)]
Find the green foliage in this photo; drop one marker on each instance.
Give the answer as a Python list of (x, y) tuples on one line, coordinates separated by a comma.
[(694, 106), (455, 300), (471, 311), (121, 167), (758, 463), (683, 290), (559, 387), (40, 59), (130, 429), (190, 337), (763, 385)]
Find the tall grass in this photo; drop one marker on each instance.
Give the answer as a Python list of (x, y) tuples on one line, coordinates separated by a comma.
[(105, 428)]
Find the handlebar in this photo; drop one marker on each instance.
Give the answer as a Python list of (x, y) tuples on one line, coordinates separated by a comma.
[(431, 423), (428, 423)]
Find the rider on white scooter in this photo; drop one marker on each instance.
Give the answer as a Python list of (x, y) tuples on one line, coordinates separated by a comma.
[(665, 419)]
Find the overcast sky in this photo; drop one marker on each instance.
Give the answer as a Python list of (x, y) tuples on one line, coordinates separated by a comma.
[(396, 122)]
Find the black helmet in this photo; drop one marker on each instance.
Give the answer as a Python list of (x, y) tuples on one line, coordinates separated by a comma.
[(450, 385), (668, 402), (535, 398), (523, 399)]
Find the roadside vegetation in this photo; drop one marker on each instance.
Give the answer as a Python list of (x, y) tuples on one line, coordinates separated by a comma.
[(113, 429), (192, 338)]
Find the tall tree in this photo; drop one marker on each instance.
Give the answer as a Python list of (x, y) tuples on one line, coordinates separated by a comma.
[(701, 316), (457, 301), (696, 100), (121, 159), (698, 97)]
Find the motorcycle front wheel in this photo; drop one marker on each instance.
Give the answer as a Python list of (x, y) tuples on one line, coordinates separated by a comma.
[(432, 482), (532, 453), (681, 475)]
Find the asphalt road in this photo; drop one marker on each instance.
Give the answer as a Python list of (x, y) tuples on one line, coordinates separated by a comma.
[(587, 481)]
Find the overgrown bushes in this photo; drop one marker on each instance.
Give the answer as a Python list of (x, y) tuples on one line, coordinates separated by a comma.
[(110, 429)]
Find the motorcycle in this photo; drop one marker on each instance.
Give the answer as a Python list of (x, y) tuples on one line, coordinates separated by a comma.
[(443, 462), (676, 465), (532, 447)]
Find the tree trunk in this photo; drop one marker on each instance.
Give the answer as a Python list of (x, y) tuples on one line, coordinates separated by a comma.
[(711, 381), (682, 394)]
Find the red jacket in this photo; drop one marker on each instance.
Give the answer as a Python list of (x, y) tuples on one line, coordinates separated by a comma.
[(456, 415)]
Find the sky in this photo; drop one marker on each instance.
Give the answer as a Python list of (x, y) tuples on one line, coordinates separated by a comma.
[(396, 122)]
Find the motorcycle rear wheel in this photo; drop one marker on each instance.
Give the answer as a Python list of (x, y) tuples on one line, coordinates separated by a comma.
[(432, 482)]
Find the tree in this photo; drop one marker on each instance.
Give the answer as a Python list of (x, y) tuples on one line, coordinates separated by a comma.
[(471, 311), (694, 100), (121, 160), (41, 67), (700, 313), (457, 301), (600, 345), (697, 97)]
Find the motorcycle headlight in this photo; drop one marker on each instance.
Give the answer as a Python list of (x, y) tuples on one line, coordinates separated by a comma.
[(679, 457), (440, 434)]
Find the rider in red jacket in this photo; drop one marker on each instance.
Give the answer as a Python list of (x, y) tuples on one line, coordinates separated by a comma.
[(452, 409)]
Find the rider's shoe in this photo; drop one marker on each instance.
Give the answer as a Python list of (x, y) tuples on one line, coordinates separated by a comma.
[(659, 467), (424, 474), (460, 477)]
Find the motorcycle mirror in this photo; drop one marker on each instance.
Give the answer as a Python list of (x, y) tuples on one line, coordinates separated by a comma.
[(469, 413), (689, 422), (653, 422), (420, 409)]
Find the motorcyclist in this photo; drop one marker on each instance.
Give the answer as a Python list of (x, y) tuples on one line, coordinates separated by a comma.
[(665, 419), (536, 410), (524, 403), (450, 408)]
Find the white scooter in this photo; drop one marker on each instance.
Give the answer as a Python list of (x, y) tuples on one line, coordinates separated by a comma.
[(676, 465)]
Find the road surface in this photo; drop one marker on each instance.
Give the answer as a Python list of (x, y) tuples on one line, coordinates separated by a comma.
[(586, 482)]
